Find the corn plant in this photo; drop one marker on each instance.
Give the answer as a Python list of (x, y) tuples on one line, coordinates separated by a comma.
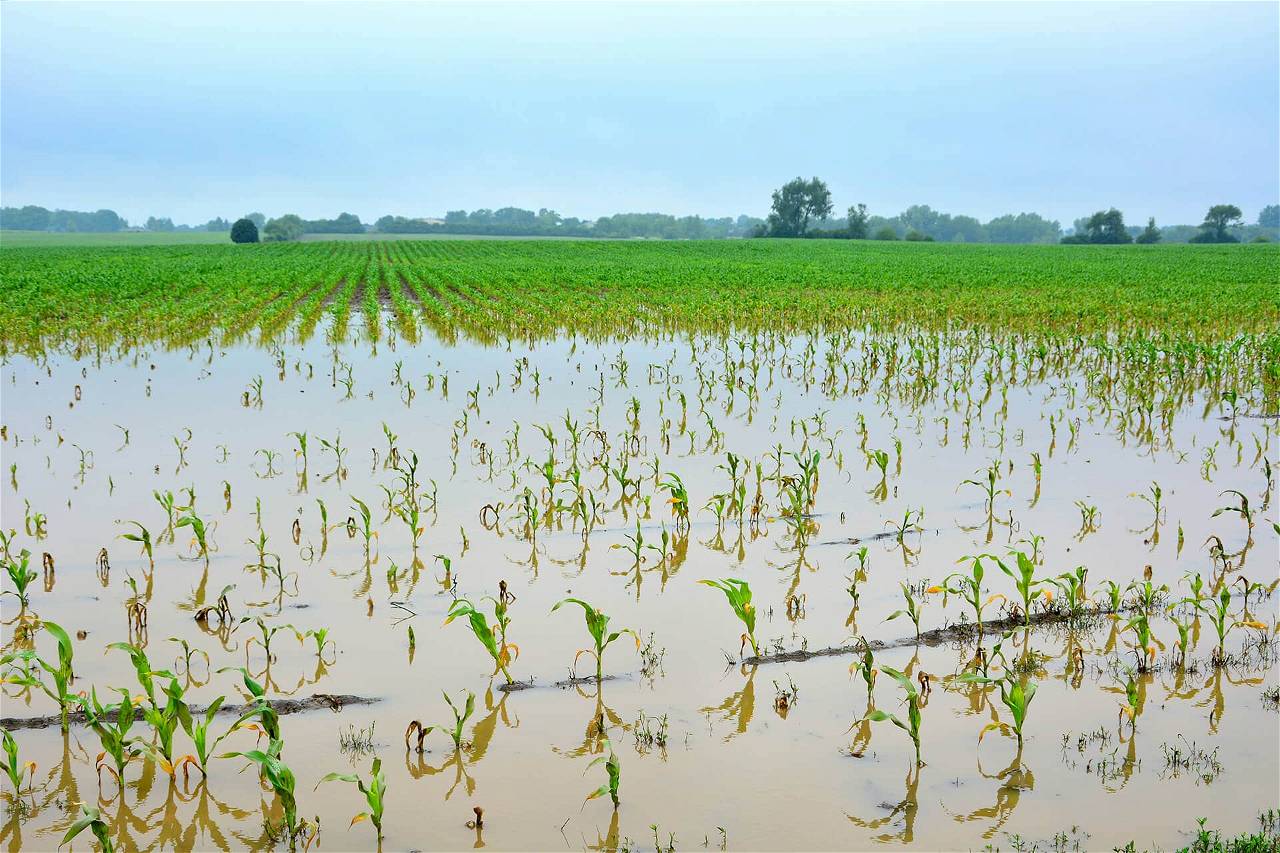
[(1016, 696), (738, 592), (21, 576), (90, 819), (197, 728), (281, 779), (598, 626), (614, 771), (1217, 611), (198, 530), (1071, 587), (374, 793), (142, 537), (113, 735), (1241, 508), (912, 726), (259, 707), (969, 588), (267, 633), (912, 611), (1144, 639), (61, 674), (678, 499), (496, 645), (1024, 581), (455, 732), (14, 768), (865, 666)]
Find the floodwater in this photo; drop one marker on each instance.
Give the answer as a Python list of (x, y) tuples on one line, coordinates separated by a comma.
[(736, 771)]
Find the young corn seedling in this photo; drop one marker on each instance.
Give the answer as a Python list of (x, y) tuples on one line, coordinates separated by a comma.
[(197, 728), (496, 645), (1071, 588), (613, 769), (912, 726), (912, 611), (374, 794), (738, 592), (268, 633), (865, 666), (1144, 640), (14, 768), (455, 732), (598, 626), (61, 674), (21, 576), (143, 538), (969, 588), (1217, 611), (1025, 581), (91, 819), (1016, 696), (113, 735), (199, 532), (679, 499), (1241, 509), (281, 779), (321, 638)]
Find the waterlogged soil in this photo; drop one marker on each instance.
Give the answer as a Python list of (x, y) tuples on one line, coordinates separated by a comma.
[(732, 768)]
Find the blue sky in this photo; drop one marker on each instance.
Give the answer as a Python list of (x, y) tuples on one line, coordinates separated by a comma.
[(192, 110)]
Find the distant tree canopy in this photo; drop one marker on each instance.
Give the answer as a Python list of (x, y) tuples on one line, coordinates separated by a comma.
[(244, 231), (795, 204), (284, 228), (1105, 226), (33, 218), (161, 223), (1270, 216), (345, 223), (258, 219), (1216, 222), (857, 222), (1150, 234), (514, 222), (219, 224)]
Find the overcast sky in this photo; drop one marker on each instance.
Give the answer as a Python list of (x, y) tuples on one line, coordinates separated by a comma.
[(192, 110)]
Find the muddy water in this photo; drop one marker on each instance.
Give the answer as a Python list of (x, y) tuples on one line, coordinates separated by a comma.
[(735, 770)]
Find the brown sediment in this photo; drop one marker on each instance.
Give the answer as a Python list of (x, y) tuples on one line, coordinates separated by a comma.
[(315, 702)]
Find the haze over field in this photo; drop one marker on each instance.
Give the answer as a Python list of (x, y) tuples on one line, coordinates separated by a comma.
[(196, 110)]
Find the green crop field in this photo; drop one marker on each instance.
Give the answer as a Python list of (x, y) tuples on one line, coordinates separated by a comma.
[(55, 295)]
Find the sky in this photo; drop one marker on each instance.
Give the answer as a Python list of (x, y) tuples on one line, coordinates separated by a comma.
[(195, 110)]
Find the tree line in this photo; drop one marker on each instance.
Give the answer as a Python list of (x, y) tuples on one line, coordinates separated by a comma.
[(804, 208), (800, 208)]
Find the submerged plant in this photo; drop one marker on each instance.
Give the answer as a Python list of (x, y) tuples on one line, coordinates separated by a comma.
[(738, 592), (912, 726), (598, 626), (90, 819), (455, 732), (374, 793), (495, 644)]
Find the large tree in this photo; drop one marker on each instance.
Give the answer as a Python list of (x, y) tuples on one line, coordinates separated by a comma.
[(1216, 222), (857, 218), (797, 202), (1270, 216), (244, 231), (1105, 226), (1150, 234), (287, 227)]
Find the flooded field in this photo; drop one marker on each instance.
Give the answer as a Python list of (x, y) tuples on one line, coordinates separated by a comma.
[(314, 511)]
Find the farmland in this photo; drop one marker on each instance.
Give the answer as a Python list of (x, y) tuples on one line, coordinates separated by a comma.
[(629, 545)]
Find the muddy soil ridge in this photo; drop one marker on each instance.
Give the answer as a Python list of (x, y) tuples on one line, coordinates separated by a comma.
[(315, 702)]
